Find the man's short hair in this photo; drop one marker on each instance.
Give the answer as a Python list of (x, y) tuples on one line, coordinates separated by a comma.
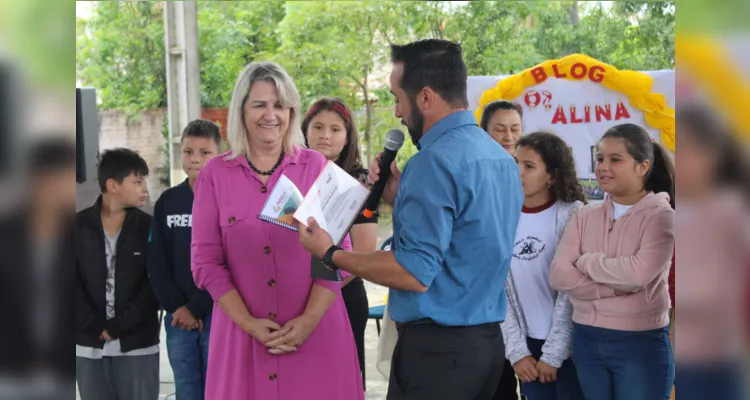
[(434, 63), (118, 164), (203, 129)]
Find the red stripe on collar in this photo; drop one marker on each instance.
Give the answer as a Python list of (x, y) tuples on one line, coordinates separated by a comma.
[(535, 210)]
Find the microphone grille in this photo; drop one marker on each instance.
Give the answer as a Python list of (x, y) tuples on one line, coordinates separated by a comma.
[(394, 139)]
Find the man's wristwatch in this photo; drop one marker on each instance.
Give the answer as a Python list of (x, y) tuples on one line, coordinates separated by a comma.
[(327, 259)]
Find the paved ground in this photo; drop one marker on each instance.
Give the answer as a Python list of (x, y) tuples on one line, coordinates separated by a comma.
[(377, 386)]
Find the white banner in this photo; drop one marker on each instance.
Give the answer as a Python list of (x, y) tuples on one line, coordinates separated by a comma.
[(577, 111)]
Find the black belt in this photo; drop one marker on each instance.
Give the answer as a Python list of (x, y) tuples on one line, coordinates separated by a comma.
[(430, 321), (424, 321)]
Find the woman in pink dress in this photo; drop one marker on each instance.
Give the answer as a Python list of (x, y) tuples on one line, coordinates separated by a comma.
[(277, 334)]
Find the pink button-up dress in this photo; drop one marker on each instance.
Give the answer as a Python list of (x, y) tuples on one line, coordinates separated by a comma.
[(233, 249)]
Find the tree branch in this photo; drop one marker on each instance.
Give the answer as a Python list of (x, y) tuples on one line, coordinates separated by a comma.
[(360, 84), (386, 37)]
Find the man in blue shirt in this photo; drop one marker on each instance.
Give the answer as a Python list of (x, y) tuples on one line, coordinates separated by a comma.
[(456, 208)]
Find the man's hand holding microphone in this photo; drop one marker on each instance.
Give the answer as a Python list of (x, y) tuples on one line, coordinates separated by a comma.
[(387, 159), (391, 186)]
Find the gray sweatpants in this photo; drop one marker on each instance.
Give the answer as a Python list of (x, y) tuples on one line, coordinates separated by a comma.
[(118, 378)]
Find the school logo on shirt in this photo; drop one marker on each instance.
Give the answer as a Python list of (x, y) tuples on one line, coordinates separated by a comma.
[(181, 220), (528, 248)]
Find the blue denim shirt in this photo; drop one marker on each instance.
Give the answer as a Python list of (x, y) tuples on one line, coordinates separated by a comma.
[(454, 222)]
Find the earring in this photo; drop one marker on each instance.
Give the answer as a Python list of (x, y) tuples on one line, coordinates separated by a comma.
[(549, 184)]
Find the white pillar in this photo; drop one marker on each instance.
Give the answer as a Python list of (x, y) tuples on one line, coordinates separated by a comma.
[(183, 79)]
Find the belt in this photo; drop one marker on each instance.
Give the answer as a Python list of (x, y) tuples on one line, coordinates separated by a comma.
[(424, 321), (430, 321)]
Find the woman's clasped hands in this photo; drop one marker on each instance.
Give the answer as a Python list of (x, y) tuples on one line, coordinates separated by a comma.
[(281, 339)]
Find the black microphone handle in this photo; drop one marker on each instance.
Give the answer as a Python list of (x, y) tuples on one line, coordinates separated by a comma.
[(385, 172)]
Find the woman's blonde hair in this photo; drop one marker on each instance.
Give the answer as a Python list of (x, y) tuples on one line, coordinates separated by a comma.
[(288, 97)]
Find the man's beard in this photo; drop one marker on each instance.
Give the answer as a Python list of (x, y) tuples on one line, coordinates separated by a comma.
[(415, 124)]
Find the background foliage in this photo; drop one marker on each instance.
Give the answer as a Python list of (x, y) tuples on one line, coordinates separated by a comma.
[(341, 47)]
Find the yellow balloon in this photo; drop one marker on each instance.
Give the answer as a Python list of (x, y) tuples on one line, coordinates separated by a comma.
[(636, 85)]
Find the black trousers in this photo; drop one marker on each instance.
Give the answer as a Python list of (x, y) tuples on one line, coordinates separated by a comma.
[(357, 307), (507, 388), (433, 362)]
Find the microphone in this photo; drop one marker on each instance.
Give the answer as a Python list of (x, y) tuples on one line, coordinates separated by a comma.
[(394, 139)]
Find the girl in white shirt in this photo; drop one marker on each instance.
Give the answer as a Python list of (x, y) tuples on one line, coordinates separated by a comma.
[(538, 326)]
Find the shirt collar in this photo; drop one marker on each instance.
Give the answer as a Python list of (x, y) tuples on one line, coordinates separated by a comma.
[(447, 123)]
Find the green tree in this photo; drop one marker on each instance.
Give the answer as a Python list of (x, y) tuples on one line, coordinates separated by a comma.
[(649, 42), (231, 35), (634, 35), (502, 37), (120, 49), (342, 48), (120, 52), (495, 36)]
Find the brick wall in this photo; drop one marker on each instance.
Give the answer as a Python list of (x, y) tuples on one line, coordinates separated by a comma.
[(217, 115)]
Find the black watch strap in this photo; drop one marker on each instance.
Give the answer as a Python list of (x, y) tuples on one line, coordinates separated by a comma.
[(328, 257)]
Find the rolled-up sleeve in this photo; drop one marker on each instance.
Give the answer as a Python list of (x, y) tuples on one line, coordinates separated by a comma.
[(206, 251), (427, 206)]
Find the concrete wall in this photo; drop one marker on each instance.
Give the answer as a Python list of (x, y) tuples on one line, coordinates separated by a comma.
[(142, 134)]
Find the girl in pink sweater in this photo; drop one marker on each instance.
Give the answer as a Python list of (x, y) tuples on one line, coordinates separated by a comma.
[(613, 261)]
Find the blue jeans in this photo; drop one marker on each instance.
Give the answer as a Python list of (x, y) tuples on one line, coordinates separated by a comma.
[(566, 387), (188, 356), (623, 365), (714, 381)]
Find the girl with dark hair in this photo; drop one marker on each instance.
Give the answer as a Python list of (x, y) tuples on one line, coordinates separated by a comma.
[(538, 328), (613, 261), (329, 129)]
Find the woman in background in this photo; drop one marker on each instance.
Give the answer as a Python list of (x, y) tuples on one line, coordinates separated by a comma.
[(329, 129), (502, 120)]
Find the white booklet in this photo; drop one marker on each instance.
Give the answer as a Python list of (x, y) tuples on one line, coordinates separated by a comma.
[(281, 204), (334, 200)]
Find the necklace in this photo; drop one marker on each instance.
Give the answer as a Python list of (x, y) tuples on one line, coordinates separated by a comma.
[(270, 171)]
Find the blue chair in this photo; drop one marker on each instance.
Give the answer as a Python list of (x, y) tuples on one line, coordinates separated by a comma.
[(376, 313)]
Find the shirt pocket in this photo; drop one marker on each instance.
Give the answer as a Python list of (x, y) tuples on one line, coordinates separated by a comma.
[(230, 218), (240, 228)]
